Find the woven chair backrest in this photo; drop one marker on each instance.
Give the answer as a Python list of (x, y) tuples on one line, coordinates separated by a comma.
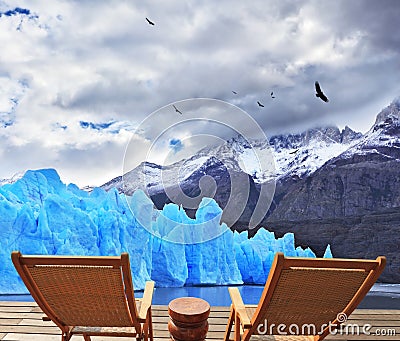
[(84, 295), (311, 298)]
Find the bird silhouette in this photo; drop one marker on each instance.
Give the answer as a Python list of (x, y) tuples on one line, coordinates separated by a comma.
[(150, 22), (177, 110), (234, 92), (294, 151), (319, 93), (260, 104), (272, 94)]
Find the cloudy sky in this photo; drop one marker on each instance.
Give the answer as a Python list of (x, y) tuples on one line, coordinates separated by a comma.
[(80, 79)]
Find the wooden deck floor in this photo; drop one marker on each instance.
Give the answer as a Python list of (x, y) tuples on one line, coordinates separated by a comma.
[(23, 321)]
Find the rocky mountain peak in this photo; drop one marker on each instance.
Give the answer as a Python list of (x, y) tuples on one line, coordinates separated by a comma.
[(348, 135), (328, 135), (239, 140), (388, 115), (388, 122)]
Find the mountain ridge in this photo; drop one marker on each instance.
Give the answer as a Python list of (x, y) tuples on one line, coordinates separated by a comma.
[(233, 149)]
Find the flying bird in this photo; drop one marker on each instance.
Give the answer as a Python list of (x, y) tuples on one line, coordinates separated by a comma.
[(150, 22), (177, 110), (260, 104), (319, 93), (272, 94), (234, 92)]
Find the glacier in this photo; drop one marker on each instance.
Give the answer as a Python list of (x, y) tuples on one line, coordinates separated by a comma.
[(39, 214)]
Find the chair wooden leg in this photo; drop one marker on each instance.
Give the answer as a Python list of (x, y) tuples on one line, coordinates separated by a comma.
[(229, 324), (86, 337), (66, 336), (237, 328), (150, 319), (139, 336), (146, 331)]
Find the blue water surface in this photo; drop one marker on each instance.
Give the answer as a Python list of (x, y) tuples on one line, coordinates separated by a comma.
[(381, 296)]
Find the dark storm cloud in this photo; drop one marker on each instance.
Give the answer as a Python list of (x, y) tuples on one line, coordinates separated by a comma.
[(377, 18), (104, 63), (205, 50)]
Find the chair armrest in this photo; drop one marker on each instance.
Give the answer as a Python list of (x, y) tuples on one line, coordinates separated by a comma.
[(239, 307), (146, 300)]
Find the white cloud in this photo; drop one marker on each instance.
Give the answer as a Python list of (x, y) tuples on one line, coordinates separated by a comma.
[(100, 61)]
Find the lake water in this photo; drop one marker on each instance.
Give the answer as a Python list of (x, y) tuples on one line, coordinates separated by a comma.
[(381, 296)]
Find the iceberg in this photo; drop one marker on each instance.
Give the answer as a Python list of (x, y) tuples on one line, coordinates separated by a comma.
[(39, 214)]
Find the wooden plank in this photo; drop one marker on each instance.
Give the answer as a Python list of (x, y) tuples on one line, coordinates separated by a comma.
[(377, 323), (375, 314), (9, 322), (30, 322), (21, 315), (29, 329), (17, 304), (371, 311), (24, 322), (363, 338), (37, 310), (211, 320), (18, 309), (36, 337)]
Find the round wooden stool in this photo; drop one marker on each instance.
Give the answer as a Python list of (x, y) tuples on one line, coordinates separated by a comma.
[(188, 319)]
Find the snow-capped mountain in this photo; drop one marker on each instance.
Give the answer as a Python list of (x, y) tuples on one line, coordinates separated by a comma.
[(300, 155), (13, 179), (153, 178), (239, 168), (364, 179), (383, 139), (295, 155)]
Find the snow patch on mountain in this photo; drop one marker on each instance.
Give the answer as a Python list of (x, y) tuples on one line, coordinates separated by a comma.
[(295, 155), (305, 160), (383, 138), (292, 155)]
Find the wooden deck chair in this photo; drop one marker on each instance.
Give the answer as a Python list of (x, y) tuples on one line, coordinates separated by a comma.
[(88, 296), (306, 298)]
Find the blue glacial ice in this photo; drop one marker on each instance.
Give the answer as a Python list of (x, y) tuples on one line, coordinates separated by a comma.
[(41, 215)]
